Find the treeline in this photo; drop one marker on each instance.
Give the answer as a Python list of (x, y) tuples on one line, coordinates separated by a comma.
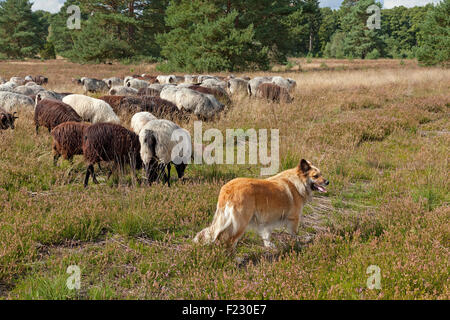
[(216, 35)]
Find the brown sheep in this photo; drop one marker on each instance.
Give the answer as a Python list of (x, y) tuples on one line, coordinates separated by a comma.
[(160, 108), (274, 93), (50, 113), (149, 79), (7, 119), (68, 140), (111, 143), (148, 92), (114, 101)]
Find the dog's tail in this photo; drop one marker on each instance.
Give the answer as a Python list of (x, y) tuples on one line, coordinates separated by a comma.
[(223, 219)]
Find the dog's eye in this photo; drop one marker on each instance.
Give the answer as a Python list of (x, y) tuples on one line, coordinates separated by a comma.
[(316, 176)]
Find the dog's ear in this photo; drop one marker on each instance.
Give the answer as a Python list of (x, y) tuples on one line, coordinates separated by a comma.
[(304, 166)]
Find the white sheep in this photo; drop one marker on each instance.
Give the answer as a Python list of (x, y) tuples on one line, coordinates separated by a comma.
[(190, 79), (28, 90), (166, 79), (255, 83), (204, 106), (8, 86), (286, 83), (164, 143), (91, 109), (51, 95), (139, 120), (94, 85), (112, 82), (18, 81), (213, 83), (11, 101), (137, 84), (122, 91), (237, 86)]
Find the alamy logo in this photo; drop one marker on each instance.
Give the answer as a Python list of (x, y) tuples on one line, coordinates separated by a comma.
[(374, 21), (74, 281), (374, 281), (74, 20)]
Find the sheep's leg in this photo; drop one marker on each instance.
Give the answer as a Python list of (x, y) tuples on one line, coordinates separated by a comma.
[(94, 178), (88, 173), (37, 130), (169, 168), (113, 168), (55, 159)]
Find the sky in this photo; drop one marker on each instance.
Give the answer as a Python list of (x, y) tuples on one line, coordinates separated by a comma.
[(55, 5)]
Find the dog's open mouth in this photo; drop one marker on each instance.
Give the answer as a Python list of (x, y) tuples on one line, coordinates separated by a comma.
[(319, 188)]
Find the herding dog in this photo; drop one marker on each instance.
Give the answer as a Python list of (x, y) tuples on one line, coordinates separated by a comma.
[(263, 205)]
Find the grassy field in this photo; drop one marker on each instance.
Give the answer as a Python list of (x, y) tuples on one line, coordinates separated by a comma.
[(378, 130)]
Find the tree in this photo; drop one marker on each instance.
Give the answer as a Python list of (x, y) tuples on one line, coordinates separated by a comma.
[(434, 40), (204, 37), (59, 34), (359, 39), (19, 29), (330, 23)]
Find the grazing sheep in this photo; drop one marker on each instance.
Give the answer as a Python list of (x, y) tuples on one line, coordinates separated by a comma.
[(91, 109), (166, 79), (150, 79), (94, 85), (287, 83), (137, 84), (160, 108), (114, 101), (11, 101), (217, 92), (204, 106), (28, 90), (273, 92), (68, 140), (40, 80), (111, 143), (157, 149), (18, 81), (214, 83), (52, 95), (237, 86), (253, 84), (8, 86), (202, 78), (112, 82), (51, 113), (191, 79), (139, 120), (122, 91), (7, 119)]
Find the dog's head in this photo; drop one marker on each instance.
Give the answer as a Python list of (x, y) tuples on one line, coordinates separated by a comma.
[(312, 176)]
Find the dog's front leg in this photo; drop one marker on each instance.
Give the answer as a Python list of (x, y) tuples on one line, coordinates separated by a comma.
[(265, 235)]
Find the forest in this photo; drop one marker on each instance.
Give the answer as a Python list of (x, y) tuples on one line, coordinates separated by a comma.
[(222, 35)]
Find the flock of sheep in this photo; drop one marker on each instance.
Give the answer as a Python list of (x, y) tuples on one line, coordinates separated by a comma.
[(83, 125)]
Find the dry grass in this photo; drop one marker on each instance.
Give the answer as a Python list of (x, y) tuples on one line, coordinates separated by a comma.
[(377, 129)]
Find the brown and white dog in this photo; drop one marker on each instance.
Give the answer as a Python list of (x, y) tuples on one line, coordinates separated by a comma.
[(263, 205)]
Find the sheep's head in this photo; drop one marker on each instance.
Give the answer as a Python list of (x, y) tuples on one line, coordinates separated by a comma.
[(148, 154)]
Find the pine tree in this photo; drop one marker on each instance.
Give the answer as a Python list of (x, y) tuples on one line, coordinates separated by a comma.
[(359, 40), (204, 37), (59, 34), (434, 40), (19, 29)]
